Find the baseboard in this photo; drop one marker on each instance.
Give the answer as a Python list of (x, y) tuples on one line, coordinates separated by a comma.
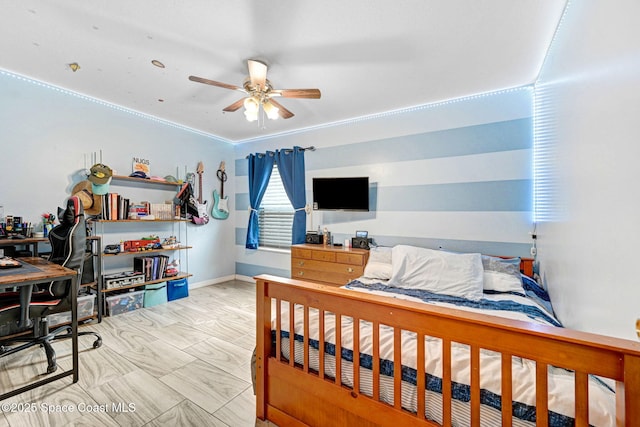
[(239, 277), (211, 281), (245, 278)]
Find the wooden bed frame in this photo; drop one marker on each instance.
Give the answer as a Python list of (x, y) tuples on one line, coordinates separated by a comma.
[(290, 394)]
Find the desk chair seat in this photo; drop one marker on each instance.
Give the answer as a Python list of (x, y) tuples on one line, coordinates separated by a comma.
[(23, 312)]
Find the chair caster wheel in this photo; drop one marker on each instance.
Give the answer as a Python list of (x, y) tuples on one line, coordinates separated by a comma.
[(97, 343)]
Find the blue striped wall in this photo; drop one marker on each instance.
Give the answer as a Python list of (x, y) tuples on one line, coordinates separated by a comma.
[(460, 180)]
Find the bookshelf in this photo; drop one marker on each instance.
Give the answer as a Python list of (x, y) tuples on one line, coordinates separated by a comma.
[(116, 231)]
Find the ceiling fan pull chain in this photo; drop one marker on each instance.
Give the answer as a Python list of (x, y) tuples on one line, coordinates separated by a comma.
[(262, 118)]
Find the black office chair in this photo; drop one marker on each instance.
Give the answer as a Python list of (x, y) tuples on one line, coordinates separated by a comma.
[(68, 246)]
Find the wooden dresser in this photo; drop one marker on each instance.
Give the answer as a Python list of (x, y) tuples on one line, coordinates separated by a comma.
[(327, 264)]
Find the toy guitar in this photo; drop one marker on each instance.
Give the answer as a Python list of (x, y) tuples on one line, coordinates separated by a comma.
[(220, 208), (201, 217)]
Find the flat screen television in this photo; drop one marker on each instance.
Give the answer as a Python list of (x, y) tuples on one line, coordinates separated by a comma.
[(341, 194)]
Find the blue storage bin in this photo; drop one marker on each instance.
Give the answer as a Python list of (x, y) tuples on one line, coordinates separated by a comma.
[(177, 289), (155, 294)]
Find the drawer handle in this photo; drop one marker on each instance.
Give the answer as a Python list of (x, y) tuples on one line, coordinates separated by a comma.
[(300, 263), (350, 270), (300, 273)]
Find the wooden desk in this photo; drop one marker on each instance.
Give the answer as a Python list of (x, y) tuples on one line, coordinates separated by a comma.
[(46, 272), (31, 241)]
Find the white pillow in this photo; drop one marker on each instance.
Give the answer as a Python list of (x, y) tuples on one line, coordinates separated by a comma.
[(377, 270), (380, 254), (502, 282), (379, 263), (502, 275), (440, 272)]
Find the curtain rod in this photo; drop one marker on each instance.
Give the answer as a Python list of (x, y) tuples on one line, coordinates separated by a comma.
[(289, 150)]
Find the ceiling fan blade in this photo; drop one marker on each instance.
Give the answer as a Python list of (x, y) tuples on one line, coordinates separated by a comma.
[(235, 106), (284, 113), (215, 83), (257, 73), (296, 93)]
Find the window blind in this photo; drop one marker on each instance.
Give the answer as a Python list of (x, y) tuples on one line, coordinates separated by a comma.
[(275, 217)]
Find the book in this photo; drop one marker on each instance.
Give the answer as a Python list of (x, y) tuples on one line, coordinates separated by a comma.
[(113, 205)]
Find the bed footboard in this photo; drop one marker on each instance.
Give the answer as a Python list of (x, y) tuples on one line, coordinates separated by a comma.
[(317, 380)]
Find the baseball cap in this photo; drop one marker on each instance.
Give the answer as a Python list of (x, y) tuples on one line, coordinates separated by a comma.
[(100, 174)]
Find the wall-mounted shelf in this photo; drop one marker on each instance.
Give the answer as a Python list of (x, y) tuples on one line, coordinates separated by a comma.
[(149, 251), (145, 181), (141, 221), (181, 275)]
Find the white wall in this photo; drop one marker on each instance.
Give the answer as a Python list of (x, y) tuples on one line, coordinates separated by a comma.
[(455, 175), (587, 253), (47, 135)]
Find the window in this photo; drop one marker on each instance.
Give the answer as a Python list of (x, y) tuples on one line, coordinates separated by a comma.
[(275, 217)]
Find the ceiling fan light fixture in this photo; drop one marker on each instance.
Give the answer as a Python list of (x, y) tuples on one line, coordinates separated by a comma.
[(251, 105), (251, 116), (271, 110), (259, 92)]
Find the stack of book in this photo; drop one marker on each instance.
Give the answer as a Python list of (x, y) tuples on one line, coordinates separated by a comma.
[(115, 207), (152, 267)]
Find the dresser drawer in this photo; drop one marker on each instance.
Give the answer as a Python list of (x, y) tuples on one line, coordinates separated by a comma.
[(326, 277), (350, 258), (306, 264), (323, 256), (301, 253)]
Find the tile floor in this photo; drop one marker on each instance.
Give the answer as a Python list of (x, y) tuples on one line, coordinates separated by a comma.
[(184, 363)]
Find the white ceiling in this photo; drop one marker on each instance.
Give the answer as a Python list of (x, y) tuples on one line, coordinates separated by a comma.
[(366, 56)]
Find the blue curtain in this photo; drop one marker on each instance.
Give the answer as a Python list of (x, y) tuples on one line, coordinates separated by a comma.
[(291, 167), (260, 167)]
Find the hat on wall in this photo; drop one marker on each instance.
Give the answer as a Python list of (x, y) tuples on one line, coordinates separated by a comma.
[(100, 177), (100, 189), (138, 174), (91, 202), (100, 174)]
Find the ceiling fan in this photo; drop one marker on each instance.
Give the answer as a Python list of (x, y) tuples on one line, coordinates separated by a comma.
[(260, 93)]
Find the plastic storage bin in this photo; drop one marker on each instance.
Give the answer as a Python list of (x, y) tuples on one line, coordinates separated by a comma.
[(125, 302), (155, 294), (85, 309), (177, 289)]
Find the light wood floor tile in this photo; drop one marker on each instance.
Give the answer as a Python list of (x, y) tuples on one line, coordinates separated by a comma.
[(235, 414), (247, 341), (121, 336), (158, 357), (224, 355), (180, 335), (148, 318), (149, 397), (187, 414), (99, 366), (207, 386), (94, 419)]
